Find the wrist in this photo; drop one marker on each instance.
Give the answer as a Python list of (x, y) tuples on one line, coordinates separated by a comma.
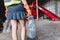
[(26, 7), (28, 10)]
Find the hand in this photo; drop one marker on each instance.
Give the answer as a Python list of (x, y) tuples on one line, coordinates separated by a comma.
[(28, 10), (28, 13), (6, 12)]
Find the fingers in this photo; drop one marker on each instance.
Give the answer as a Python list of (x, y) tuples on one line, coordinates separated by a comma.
[(28, 16)]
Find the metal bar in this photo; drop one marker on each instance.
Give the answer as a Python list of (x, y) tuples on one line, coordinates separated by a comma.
[(37, 9), (56, 6)]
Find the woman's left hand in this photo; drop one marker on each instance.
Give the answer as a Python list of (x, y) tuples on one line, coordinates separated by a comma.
[(28, 13), (26, 6)]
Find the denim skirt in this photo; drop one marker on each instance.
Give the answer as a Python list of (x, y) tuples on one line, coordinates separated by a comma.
[(16, 12)]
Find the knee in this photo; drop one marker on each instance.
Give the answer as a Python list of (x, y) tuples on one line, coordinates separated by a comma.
[(23, 28)]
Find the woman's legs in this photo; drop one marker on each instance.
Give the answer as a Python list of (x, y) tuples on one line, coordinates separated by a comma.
[(14, 29), (23, 30)]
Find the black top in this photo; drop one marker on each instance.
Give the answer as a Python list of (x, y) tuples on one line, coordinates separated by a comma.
[(2, 7), (2, 10)]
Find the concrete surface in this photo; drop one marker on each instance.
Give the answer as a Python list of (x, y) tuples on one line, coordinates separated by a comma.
[(46, 30)]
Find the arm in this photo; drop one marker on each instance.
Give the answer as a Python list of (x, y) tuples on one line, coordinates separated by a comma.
[(6, 11), (25, 4), (26, 7)]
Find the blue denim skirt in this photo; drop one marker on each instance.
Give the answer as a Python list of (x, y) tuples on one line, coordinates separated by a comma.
[(16, 12)]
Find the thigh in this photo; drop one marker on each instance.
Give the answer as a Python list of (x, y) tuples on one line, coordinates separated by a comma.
[(22, 22), (14, 24)]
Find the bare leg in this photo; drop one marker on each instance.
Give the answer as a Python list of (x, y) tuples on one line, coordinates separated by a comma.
[(14, 29), (23, 30)]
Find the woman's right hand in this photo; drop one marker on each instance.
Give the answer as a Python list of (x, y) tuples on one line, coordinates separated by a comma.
[(6, 11)]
